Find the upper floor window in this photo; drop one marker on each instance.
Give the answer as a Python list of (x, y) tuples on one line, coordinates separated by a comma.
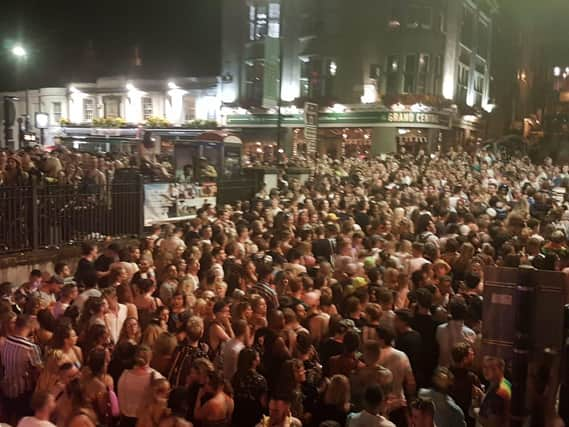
[(317, 77), (88, 109), (56, 112), (410, 73), (147, 109), (420, 17), (254, 75), (392, 74), (467, 30), (483, 39), (264, 20), (462, 83)]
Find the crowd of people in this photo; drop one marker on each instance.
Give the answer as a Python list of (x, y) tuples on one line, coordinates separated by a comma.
[(353, 299)]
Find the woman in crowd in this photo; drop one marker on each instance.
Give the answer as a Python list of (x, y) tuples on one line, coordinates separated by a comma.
[(65, 340), (250, 390), (133, 386)]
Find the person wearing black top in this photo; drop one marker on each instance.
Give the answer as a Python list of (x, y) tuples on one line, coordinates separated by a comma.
[(250, 390), (426, 326), (332, 346), (409, 342), (325, 247), (86, 266), (103, 263)]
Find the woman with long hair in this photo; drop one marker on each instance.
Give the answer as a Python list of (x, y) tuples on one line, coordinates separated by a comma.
[(130, 331), (259, 317), (93, 314), (462, 265), (162, 352), (249, 390), (65, 340), (335, 404), (179, 312), (97, 384), (158, 325), (145, 302), (97, 336), (291, 378)]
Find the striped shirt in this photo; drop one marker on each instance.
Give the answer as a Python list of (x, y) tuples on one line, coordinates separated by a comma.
[(19, 357), (269, 295)]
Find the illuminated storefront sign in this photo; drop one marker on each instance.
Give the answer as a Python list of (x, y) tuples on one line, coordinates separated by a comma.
[(346, 119)]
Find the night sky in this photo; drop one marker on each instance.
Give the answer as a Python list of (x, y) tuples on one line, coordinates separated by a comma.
[(73, 40)]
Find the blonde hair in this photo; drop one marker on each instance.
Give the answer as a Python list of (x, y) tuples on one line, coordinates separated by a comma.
[(165, 344), (338, 391)]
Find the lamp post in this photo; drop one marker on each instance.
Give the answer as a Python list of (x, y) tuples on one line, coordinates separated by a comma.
[(22, 54)]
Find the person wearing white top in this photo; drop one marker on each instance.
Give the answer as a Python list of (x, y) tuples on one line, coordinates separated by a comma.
[(453, 332), (117, 314), (232, 348), (134, 384), (371, 415), (43, 405)]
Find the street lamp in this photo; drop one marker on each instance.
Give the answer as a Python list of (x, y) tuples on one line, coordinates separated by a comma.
[(19, 52)]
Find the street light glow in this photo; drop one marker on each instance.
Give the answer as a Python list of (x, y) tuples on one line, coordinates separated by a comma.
[(19, 51), (557, 71)]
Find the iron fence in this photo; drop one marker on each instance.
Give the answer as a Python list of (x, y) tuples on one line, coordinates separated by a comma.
[(35, 217)]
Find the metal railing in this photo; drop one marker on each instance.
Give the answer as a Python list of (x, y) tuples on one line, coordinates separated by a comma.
[(42, 216)]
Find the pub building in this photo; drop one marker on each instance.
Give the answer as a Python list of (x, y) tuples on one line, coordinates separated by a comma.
[(418, 78)]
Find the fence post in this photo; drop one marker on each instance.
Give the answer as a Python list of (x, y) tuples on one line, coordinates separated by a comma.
[(140, 217), (35, 217)]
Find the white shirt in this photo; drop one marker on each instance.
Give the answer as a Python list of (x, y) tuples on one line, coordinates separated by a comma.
[(132, 390), (34, 422), (114, 322), (450, 334), (365, 419)]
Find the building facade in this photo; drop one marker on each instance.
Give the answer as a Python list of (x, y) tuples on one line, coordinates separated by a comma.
[(118, 102), (384, 73)]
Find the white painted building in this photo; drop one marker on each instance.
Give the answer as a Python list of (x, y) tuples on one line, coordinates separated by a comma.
[(130, 101)]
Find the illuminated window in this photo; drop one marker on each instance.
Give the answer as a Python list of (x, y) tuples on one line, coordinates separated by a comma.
[(147, 109), (88, 109), (317, 77), (264, 20), (56, 111)]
